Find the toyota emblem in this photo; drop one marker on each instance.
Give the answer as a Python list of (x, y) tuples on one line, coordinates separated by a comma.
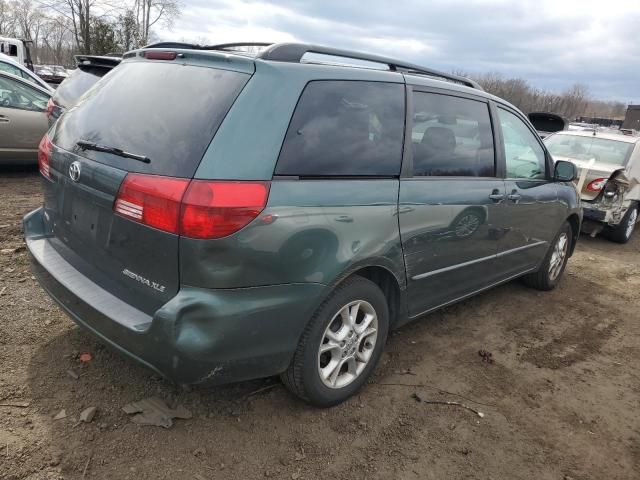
[(74, 171)]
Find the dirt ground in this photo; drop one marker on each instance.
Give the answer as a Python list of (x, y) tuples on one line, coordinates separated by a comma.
[(561, 399)]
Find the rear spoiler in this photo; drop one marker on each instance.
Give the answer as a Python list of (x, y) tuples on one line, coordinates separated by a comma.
[(97, 61)]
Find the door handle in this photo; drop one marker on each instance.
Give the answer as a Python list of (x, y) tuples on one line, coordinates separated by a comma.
[(514, 196), (4, 119), (496, 196)]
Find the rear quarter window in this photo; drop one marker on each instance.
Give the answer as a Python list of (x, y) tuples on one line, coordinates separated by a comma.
[(345, 128), (167, 112)]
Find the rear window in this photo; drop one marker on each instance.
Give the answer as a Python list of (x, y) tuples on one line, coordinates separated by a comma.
[(578, 147), (164, 111), (345, 128), (72, 88)]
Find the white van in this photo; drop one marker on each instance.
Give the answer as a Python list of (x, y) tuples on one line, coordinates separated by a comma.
[(18, 50)]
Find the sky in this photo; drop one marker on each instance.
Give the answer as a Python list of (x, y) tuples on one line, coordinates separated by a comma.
[(551, 43)]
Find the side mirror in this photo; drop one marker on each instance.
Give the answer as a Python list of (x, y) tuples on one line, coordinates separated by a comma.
[(564, 171)]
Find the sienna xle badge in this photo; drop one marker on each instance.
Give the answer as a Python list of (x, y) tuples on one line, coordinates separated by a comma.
[(221, 217)]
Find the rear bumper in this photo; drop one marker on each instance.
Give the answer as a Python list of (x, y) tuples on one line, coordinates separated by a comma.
[(199, 336), (604, 213)]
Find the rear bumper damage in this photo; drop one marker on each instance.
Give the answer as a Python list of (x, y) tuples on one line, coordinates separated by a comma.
[(199, 336), (611, 205)]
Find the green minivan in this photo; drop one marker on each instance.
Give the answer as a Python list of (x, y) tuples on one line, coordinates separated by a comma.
[(222, 216)]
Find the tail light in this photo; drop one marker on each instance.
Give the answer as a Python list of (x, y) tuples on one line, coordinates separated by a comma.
[(218, 209), (51, 106), (196, 209), (151, 200), (44, 155), (597, 184)]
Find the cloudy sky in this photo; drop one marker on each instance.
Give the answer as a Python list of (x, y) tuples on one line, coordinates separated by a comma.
[(551, 43)]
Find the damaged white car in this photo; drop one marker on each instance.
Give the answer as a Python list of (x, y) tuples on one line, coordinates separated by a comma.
[(608, 179)]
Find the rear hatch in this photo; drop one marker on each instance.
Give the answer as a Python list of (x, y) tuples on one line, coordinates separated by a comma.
[(89, 70), (546, 122), (163, 111)]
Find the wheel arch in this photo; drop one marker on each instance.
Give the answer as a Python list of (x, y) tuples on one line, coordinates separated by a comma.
[(574, 222), (393, 287)]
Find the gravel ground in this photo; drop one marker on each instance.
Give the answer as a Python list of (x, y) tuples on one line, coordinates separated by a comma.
[(561, 399)]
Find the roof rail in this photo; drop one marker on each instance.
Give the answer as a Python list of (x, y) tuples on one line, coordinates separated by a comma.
[(193, 46), (293, 52)]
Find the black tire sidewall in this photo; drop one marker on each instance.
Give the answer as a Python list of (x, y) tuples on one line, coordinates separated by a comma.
[(566, 228), (619, 232), (358, 288)]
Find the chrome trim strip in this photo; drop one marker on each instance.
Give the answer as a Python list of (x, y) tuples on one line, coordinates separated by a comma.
[(477, 260), (475, 292), (452, 267), (518, 249)]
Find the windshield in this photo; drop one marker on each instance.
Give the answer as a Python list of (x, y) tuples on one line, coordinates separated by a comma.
[(166, 112), (578, 147)]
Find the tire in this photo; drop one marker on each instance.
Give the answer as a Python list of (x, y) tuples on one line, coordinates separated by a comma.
[(547, 278), (310, 375), (622, 232)]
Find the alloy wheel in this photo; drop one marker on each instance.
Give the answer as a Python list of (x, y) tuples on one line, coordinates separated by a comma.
[(631, 222), (558, 256), (347, 344)]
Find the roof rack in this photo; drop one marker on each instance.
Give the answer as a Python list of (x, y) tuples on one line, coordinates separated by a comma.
[(293, 52), (193, 46)]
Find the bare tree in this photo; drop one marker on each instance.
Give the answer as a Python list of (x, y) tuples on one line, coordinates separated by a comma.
[(7, 19), (150, 12)]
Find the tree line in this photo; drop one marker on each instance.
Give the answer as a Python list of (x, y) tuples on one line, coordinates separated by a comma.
[(572, 103), (60, 29)]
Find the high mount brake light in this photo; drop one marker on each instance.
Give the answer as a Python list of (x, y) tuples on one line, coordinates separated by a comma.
[(153, 55), (44, 155), (597, 184), (199, 209)]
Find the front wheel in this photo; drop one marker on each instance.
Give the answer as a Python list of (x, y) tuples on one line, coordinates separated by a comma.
[(341, 345), (622, 232), (554, 263)]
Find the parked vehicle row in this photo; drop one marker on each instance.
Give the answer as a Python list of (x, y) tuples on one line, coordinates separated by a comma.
[(7, 64), (221, 216), (29, 106)]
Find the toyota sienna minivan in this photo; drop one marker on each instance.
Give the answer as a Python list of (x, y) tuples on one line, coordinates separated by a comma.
[(220, 217)]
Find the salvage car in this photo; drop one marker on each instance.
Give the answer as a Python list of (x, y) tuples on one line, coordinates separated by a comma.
[(23, 122), (90, 69), (221, 216), (7, 64), (609, 179)]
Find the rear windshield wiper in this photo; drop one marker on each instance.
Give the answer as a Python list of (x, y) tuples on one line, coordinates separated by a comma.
[(115, 151)]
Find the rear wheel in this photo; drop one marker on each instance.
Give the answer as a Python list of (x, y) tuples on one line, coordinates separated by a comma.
[(550, 272), (341, 345), (622, 232)]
